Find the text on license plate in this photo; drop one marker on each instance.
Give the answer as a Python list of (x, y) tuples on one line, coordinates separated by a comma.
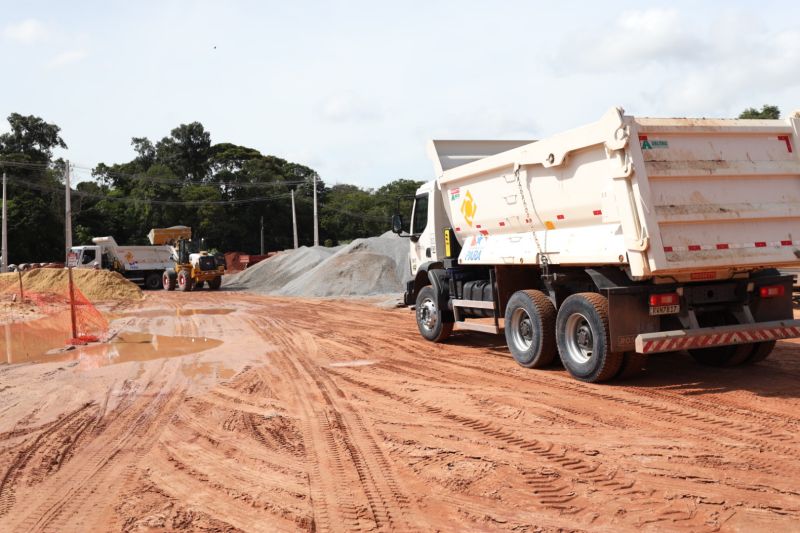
[(665, 310)]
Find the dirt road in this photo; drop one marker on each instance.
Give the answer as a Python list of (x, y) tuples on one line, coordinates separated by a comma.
[(334, 416)]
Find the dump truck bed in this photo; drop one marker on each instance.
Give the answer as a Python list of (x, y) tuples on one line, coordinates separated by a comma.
[(694, 198)]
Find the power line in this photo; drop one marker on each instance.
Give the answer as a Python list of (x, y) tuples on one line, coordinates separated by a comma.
[(128, 199)]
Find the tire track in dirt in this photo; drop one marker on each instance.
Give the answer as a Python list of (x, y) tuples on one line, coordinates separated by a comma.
[(52, 436), (86, 489), (348, 440), (568, 466)]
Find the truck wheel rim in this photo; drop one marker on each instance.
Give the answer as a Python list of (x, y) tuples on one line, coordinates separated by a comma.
[(521, 329), (579, 338), (427, 314)]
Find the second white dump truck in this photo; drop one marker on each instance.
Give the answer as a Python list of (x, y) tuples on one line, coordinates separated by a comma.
[(619, 239)]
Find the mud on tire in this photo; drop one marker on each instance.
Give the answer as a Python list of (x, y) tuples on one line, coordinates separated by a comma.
[(582, 338), (430, 318), (530, 328)]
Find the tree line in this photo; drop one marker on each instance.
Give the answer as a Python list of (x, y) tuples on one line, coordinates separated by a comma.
[(221, 190)]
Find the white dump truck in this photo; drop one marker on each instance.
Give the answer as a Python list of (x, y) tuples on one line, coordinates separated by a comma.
[(613, 241), (144, 265)]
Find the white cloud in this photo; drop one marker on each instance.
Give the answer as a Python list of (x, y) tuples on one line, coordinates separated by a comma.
[(347, 107), (28, 31), (67, 57), (684, 65), (635, 39)]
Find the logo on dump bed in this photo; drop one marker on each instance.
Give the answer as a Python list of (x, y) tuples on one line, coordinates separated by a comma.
[(648, 144), (468, 208)]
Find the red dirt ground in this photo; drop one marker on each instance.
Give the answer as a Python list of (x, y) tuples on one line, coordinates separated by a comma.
[(337, 416)]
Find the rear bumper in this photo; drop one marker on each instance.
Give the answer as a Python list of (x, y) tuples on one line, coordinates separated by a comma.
[(684, 339)]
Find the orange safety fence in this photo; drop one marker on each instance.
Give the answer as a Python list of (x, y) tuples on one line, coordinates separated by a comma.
[(48, 304)]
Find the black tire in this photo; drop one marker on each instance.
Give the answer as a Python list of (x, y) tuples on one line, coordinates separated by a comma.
[(215, 283), (530, 328), (761, 350), (199, 284), (185, 282), (169, 281), (721, 356), (582, 338), (633, 364), (152, 282), (430, 319)]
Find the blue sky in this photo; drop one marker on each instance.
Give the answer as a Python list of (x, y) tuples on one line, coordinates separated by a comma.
[(355, 89)]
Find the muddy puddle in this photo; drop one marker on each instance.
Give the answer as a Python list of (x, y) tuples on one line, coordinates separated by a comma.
[(38, 342)]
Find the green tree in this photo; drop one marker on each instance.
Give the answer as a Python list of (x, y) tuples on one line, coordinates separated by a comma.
[(35, 200), (766, 111)]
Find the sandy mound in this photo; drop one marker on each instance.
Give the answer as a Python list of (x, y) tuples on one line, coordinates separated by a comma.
[(365, 267), (96, 285)]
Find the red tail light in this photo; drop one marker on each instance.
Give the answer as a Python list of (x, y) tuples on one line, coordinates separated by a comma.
[(772, 291), (671, 298)]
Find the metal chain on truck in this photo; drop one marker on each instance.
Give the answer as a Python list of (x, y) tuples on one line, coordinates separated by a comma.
[(541, 255)]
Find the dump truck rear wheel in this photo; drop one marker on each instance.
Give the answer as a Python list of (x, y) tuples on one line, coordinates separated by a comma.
[(185, 281), (721, 356), (430, 319), (530, 328), (169, 281), (214, 284), (582, 338), (152, 281), (761, 351), (633, 364)]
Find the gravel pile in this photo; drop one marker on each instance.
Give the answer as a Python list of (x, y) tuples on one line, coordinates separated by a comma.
[(365, 267)]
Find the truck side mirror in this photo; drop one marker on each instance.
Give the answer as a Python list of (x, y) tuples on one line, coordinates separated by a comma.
[(397, 224)]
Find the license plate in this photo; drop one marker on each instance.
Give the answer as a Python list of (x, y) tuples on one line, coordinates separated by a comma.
[(665, 310)]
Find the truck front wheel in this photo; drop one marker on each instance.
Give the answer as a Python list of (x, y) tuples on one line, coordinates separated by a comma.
[(530, 328), (582, 338), (430, 319), (215, 283)]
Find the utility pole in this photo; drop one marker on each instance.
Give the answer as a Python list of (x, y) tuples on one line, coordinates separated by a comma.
[(262, 234), (294, 222), (316, 220), (68, 212), (4, 245)]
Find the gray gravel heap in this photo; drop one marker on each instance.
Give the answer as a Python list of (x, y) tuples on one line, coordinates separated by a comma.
[(365, 267)]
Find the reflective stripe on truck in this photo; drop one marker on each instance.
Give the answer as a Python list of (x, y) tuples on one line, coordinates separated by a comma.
[(683, 339)]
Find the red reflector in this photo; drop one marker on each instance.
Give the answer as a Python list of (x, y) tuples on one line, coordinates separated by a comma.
[(597, 212), (786, 243), (722, 246), (771, 291), (559, 217), (478, 226), (502, 223), (671, 298), (761, 245), (668, 248), (694, 247)]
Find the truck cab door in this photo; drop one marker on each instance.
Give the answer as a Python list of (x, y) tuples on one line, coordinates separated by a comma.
[(422, 230)]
